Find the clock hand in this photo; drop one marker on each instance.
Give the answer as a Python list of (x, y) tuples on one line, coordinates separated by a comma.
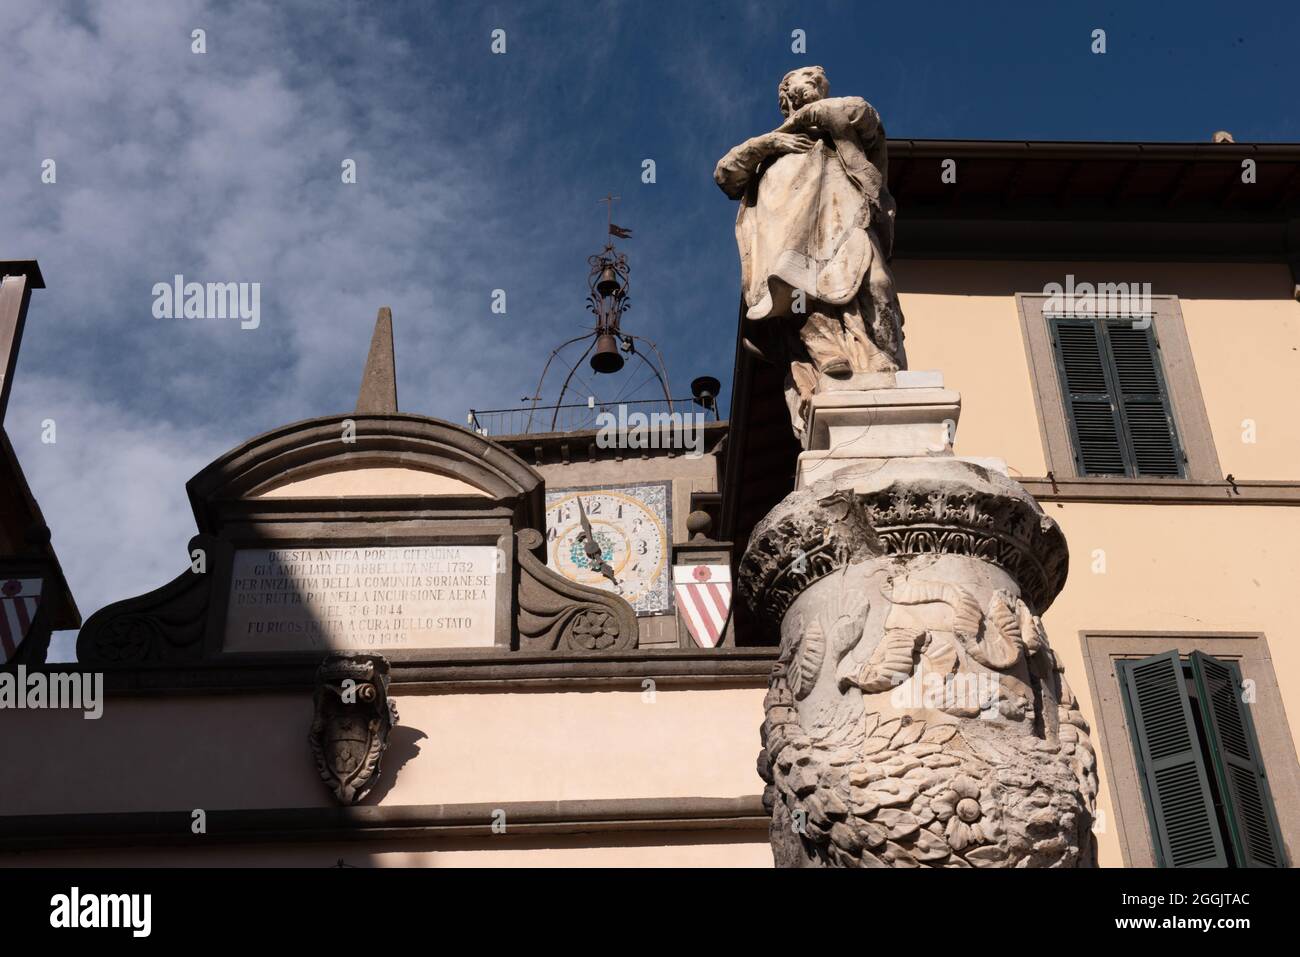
[(592, 547), (582, 513), (589, 543)]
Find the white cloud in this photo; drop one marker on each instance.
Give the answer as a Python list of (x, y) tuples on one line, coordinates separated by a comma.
[(223, 167), (474, 173)]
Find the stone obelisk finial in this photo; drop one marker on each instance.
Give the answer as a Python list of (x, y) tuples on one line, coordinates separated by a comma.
[(378, 394)]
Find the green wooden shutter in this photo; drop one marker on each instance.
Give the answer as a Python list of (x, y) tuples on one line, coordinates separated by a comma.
[(1117, 402), (1169, 758), (1095, 427), (1256, 837), (1144, 401)]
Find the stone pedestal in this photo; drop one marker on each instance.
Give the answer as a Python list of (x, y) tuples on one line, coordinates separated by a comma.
[(916, 715), (912, 417)]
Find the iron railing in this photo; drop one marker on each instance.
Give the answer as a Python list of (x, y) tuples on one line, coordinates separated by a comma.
[(574, 417)]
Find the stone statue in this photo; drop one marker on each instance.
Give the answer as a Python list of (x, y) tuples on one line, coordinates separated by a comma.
[(815, 233), (916, 715)]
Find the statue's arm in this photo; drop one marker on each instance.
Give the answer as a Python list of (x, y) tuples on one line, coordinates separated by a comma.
[(835, 115), (737, 168)]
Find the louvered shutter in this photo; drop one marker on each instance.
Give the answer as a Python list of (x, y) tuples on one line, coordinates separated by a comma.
[(1117, 402), (1256, 838), (1169, 755), (1144, 402), (1093, 413)]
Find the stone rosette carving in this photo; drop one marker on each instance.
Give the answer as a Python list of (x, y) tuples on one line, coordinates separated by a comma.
[(352, 721), (556, 614), (916, 715)]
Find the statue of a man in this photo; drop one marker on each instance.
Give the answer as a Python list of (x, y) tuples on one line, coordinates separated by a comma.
[(815, 231)]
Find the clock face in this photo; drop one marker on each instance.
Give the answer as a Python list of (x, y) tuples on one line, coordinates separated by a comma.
[(628, 546)]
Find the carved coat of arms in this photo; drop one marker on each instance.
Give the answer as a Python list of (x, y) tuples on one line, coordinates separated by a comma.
[(354, 715)]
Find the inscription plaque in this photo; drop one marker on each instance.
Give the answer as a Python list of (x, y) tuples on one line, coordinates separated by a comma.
[(362, 598)]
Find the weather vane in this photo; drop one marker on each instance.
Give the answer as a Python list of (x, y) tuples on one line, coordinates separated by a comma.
[(614, 229), (608, 299)]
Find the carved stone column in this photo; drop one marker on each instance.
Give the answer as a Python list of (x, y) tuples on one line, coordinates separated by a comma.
[(916, 715)]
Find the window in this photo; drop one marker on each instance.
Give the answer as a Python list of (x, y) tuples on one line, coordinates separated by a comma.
[(1118, 395), (1115, 397), (1107, 656), (1200, 768)]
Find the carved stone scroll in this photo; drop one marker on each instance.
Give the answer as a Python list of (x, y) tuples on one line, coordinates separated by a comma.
[(556, 614), (165, 625)]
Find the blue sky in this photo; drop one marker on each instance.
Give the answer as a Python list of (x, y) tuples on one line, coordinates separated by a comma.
[(475, 172)]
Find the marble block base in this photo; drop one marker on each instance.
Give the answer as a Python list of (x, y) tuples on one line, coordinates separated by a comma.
[(916, 417), (813, 466)]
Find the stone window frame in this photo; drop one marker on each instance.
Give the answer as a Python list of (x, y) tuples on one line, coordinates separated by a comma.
[(1112, 735), (1185, 396)]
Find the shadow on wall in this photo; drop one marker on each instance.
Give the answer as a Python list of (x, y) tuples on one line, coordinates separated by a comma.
[(403, 747)]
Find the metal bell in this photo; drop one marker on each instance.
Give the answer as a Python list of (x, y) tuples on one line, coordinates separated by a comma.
[(606, 358), (608, 283)]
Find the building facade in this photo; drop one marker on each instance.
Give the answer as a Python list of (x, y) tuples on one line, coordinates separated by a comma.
[(1122, 323)]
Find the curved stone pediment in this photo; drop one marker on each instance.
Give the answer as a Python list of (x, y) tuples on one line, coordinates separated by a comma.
[(440, 526), (367, 456)]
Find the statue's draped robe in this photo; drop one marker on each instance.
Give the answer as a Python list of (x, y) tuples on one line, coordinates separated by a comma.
[(806, 219)]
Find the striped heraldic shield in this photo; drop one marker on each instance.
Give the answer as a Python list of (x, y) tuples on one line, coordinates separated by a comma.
[(18, 600), (703, 598)]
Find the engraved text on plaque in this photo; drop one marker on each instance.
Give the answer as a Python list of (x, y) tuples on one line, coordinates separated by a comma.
[(392, 597)]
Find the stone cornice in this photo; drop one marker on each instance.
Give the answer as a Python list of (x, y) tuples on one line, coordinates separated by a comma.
[(422, 821), (451, 671), (1150, 491)]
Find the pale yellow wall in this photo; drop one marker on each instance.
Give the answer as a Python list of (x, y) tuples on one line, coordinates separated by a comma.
[(1200, 568), (1242, 322), (1168, 568), (1247, 355), (250, 751), (363, 482), (975, 341)]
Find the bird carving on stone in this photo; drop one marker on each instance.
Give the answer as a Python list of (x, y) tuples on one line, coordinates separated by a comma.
[(993, 769)]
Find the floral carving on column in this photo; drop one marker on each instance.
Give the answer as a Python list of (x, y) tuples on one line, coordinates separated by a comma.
[(916, 715)]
